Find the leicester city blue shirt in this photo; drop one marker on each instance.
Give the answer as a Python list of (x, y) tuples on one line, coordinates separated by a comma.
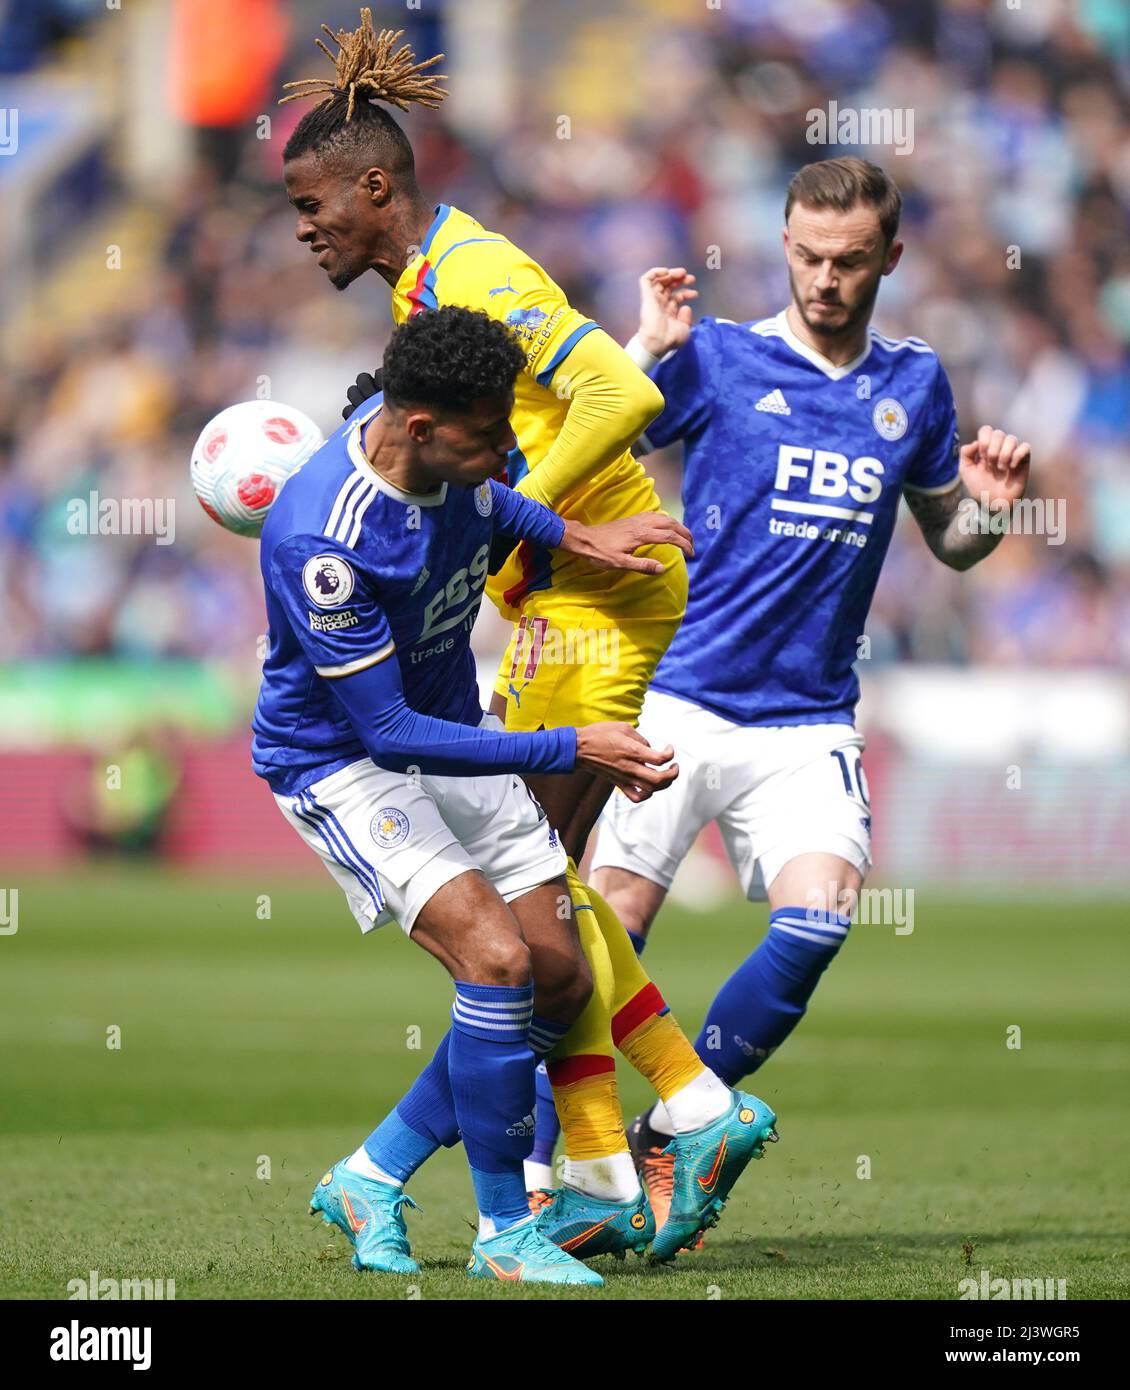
[(792, 476), (371, 596)]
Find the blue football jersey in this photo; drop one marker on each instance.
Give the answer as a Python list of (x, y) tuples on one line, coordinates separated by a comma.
[(792, 476), (358, 573)]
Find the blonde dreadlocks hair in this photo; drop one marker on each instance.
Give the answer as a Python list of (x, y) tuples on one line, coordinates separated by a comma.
[(369, 68)]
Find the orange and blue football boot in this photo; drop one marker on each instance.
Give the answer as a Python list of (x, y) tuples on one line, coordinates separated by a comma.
[(522, 1254), (371, 1214), (655, 1165), (708, 1162), (585, 1226)]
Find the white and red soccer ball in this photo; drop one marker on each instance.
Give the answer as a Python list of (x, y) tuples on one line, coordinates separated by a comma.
[(244, 455)]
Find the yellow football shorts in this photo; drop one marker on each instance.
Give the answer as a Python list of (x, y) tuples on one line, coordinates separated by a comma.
[(569, 664)]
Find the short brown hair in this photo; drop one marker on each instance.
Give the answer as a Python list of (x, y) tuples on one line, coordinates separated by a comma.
[(843, 184)]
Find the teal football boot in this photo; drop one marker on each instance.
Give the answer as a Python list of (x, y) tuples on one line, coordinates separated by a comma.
[(522, 1254), (708, 1162), (372, 1216), (585, 1226)]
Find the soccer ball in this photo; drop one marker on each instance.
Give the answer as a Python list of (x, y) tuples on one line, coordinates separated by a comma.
[(244, 455)]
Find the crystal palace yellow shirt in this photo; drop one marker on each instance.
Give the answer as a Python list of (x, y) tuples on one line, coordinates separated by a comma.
[(460, 263)]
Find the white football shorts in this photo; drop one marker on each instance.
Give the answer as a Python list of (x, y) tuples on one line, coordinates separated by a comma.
[(775, 793), (391, 840)]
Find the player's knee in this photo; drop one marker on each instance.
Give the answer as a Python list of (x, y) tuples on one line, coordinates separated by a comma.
[(630, 898), (562, 995), (575, 993), (633, 914), (499, 959)]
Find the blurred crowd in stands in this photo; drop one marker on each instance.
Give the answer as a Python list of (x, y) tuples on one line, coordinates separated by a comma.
[(1017, 271)]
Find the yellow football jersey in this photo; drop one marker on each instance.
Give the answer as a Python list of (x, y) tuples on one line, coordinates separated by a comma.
[(461, 263)]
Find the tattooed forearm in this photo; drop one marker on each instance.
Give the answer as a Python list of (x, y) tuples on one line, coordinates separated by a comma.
[(950, 523)]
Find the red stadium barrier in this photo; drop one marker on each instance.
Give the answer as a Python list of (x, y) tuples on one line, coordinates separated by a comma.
[(934, 823), (221, 814)]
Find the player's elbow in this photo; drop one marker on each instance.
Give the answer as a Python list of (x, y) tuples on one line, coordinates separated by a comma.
[(645, 404), (956, 557), (391, 753)]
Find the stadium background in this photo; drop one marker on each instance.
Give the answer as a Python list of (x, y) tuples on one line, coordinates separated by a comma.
[(149, 276)]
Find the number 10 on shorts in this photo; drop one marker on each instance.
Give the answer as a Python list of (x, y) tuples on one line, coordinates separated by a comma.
[(852, 771)]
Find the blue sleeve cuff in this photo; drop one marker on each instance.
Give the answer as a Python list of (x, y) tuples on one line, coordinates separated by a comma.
[(525, 519), (566, 759)]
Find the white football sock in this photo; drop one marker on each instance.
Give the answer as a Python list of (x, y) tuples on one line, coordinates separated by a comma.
[(660, 1121), (613, 1179), (697, 1103), (487, 1227), (537, 1175), (361, 1164)]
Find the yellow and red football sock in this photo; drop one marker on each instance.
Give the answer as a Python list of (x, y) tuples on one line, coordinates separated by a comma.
[(582, 1072), (647, 1033)]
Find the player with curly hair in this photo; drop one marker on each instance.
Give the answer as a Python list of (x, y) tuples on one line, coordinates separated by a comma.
[(585, 643), (374, 561)]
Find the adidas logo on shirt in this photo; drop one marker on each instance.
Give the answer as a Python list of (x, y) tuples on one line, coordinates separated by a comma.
[(774, 403), (524, 1126)]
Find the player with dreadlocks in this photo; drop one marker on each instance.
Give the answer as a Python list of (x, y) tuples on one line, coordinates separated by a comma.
[(585, 644)]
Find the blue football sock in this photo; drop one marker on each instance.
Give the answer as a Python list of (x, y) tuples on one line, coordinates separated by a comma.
[(548, 1125), (492, 1082), (422, 1122), (765, 998), (638, 942), (544, 1035)]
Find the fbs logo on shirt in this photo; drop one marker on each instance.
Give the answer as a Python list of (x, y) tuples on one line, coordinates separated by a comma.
[(829, 474), (454, 601)]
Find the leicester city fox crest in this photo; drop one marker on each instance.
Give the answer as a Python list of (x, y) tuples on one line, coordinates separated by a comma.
[(889, 419), (389, 827)]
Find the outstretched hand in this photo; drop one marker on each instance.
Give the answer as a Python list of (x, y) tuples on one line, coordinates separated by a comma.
[(665, 308), (611, 545), (994, 466), (622, 756)]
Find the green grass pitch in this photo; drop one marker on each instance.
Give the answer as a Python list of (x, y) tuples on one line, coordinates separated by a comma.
[(247, 1042)]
